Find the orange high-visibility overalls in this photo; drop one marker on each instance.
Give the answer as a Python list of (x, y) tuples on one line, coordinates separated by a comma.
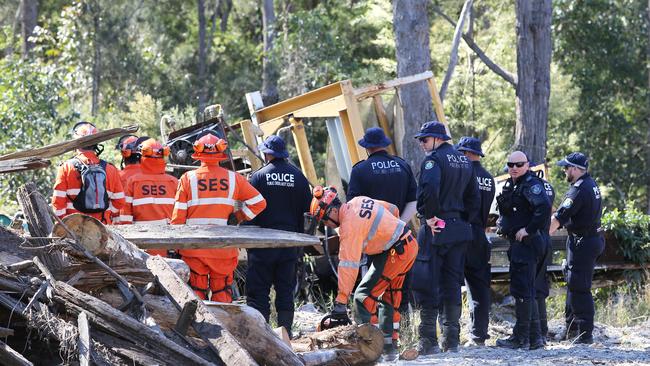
[(373, 227), (207, 196)]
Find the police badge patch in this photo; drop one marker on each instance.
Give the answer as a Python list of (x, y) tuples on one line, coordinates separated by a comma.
[(536, 189), (567, 203), (428, 165)]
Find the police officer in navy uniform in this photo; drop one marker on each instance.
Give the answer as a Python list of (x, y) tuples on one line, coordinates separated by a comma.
[(542, 281), (524, 209), (580, 213), (477, 263), (383, 176), (447, 196), (388, 178), (287, 194)]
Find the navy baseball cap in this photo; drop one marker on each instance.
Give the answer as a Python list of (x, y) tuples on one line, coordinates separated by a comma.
[(470, 144), (374, 137), (433, 129), (274, 145), (576, 159)]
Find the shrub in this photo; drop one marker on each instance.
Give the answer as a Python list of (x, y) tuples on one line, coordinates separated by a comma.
[(631, 227)]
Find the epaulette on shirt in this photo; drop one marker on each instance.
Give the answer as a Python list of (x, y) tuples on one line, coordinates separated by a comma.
[(578, 183), (359, 162)]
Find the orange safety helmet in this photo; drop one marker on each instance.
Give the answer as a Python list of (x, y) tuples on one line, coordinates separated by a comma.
[(209, 147), (153, 149), (127, 145), (83, 128), (324, 199)]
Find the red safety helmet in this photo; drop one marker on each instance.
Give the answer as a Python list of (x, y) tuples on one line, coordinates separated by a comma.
[(153, 149), (83, 128), (210, 147), (324, 199), (127, 145)]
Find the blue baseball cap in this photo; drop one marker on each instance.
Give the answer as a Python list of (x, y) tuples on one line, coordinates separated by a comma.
[(274, 145), (576, 159), (374, 137), (470, 144), (433, 129)]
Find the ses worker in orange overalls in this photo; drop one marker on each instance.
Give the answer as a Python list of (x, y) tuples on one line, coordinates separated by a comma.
[(208, 195), (127, 145), (150, 195), (372, 227), (86, 183)]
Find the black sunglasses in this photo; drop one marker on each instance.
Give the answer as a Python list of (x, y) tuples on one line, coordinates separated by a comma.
[(518, 164)]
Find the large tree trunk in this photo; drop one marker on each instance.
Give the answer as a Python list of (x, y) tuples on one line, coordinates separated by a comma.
[(203, 97), (270, 72), (411, 26), (29, 13), (648, 106), (534, 76), (223, 11)]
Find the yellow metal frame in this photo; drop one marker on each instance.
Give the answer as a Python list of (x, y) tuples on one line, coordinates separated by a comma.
[(339, 99)]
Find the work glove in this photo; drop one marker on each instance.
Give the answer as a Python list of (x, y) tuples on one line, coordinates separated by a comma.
[(339, 311)]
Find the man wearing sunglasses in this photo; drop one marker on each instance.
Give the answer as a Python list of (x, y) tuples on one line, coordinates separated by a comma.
[(447, 197), (524, 209), (580, 213)]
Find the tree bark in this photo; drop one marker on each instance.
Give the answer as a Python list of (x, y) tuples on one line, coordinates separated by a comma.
[(203, 97), (534, 76), (270, 72), (29, 15), (648, 107), (411, 27), (348, 345), (224, 7)]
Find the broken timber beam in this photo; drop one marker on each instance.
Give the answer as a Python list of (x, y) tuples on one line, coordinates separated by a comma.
[(211, 236), (112, 320), (9, 357), (63, 147), (22, 164), (347, 345), (205, 323)]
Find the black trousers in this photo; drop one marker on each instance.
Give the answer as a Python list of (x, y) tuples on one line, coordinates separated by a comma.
[(478, 279), (581, 260), (269, 270)]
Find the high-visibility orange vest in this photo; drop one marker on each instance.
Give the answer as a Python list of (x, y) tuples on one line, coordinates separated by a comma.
[(208, 195), (68, 186)]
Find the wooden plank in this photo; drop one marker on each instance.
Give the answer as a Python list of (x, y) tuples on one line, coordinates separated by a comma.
[(205, 323), (63, 147), (354, 118), (114, 321), (22, 164), (378, 103), (211, 236), (286, 107), (9, 357), (304, 153), (372, 90), (83, 343)]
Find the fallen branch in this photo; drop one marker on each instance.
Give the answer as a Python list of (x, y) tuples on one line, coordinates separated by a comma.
[(10, 357), (19, 165)]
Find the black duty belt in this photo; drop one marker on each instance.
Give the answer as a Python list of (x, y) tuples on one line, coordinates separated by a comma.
[(586, 233), (403, 241)]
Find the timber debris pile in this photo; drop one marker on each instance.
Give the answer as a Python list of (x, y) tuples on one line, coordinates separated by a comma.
[(86, 294)]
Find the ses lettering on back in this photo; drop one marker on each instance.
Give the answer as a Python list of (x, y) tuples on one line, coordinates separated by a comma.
[(212, 184), (154, 190), (366, 208)]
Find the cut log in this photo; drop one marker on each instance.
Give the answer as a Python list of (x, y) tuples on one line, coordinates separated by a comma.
[(63, 147), (348, 345), (211, 236), (113, 249), (250, 328), (206, 324), (108, 318), (10, 357), (6, 332), (19, 165), (37, 213)]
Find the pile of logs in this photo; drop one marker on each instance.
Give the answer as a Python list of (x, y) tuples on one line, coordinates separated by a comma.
[(76, 291)]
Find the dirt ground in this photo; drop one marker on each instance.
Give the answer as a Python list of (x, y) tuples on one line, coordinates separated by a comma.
[(612, 346)]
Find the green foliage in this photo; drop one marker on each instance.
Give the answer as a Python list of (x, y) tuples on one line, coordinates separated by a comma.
[(33, 111), (602, 45), (632, 230)]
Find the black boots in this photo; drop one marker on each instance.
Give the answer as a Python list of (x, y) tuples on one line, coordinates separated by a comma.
[(536, 339), (450, 327), (285, 319), (428, 343), (543, 320), (521, 332)]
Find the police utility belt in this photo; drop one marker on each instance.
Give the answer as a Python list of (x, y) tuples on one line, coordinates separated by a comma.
[(585, 233), (403, 241)]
